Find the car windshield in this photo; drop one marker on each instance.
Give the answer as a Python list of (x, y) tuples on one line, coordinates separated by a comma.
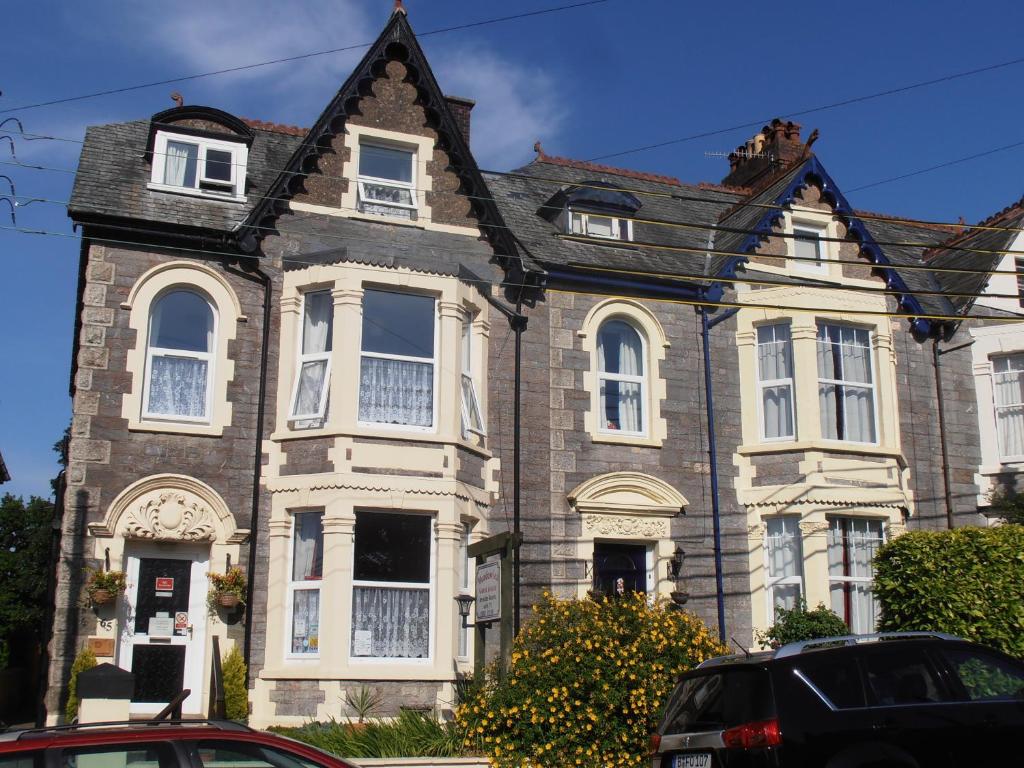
[(720, 700)]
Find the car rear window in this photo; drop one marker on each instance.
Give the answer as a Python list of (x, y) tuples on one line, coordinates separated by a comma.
[(721, 700), (837, 677), (134, 755), (985, 676), (900, 675)]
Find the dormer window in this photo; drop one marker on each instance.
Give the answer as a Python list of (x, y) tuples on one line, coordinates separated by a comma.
[(199, 165), (387, 181), (596, 225), (807, 248)]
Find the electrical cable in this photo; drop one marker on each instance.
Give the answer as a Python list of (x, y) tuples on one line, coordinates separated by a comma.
[(297, 57)]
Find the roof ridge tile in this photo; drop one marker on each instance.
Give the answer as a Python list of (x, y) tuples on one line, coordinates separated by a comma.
[(586, 165), (264, 125)]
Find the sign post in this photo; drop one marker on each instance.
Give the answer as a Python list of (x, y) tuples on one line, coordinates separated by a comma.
[(494, 592)]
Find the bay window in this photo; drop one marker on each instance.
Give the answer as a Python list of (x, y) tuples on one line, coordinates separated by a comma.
[(845, 383), (852, 544), (775, 381), (784, 554), (312, 375), (472, 421), (1008, 390), (179, 357), (386, 181), (304, 584), (396, 376), (620, 366), (391, 585)]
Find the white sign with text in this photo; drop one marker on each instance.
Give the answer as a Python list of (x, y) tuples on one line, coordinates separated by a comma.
[(488, 592)]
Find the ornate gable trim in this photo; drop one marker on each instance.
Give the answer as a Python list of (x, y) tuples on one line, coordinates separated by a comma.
[(627, 493), (170, 508)]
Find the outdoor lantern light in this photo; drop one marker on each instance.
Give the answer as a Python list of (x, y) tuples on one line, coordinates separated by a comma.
[(675, 565), (465, 602)]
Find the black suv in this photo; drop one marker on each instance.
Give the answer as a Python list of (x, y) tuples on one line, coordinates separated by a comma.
[(892, 700)]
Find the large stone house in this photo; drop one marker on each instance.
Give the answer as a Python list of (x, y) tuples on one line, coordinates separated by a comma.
[(292, 357)]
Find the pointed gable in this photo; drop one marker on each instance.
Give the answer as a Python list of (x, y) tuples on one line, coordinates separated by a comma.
[(391, 91)]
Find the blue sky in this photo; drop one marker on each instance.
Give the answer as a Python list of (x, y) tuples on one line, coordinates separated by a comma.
[(587, 82)]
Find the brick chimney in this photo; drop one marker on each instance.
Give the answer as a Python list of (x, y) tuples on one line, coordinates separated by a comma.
[(776, 146), (461, 108)]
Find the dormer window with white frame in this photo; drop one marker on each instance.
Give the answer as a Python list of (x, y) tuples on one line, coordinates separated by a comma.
[(808, 249), (199, 165), (596, 225), (387, 181)]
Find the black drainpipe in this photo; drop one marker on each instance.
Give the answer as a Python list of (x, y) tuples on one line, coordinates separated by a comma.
[(716, 517), (941, 402), (251, 271)]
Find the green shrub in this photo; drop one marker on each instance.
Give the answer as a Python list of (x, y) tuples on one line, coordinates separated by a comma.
[(236, 694), (793, 625), (1008, 506), (411, 734), (968, 582), (85, 659), (587, 683)]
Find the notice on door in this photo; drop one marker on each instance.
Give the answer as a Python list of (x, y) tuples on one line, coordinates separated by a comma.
[(181, 623), (488, 592), (161, 626), (164, 586)]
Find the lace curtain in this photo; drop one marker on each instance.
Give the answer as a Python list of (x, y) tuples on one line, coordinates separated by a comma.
[(775, 362), (620, 351), (390, 622), (1008, 384), (847, 410), (396, 392), (177, 386), (306, 621)]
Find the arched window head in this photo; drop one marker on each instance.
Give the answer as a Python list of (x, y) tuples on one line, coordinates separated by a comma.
[(621, 370), (179, 357)]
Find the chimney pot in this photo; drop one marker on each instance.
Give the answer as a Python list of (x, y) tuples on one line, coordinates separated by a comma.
[(775, 146)]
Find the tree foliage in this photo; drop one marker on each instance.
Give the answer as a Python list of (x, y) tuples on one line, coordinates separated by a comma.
[(25, 531), (85, 659), (796, 624), (968, 582), (587, 683)]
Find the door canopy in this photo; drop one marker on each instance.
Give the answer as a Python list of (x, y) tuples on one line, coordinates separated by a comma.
[(627, 493)]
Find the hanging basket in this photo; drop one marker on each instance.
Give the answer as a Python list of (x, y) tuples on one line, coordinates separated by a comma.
[(227, 600), (102, 596)]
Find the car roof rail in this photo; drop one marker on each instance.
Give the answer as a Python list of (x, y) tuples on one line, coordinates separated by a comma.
[(794, 649), (222, 725)]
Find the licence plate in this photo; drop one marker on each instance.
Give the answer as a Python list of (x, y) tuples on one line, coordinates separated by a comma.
[(693, 760)]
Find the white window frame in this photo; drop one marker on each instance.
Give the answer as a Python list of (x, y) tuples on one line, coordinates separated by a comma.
[(996, 407), (151, 352), (305, 585), (856, 384), (583, 228), (803, 231), (311, 357), (434, 363), (239, 159), (363, 199), (628, 378), (1018, 264), (771, 582), (763, 384), (844, 579), (431, 585), (467, 384), (464, 588)]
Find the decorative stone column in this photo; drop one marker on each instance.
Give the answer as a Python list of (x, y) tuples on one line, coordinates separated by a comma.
[(814, 540), (336, 587), (345, 362), (448, 535)]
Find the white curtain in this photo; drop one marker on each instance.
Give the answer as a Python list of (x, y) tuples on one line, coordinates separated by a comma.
[(784, 561), (307, 560), (396, 392), (316, 340), (397, 622), (847, 410), (852, 545), (620, 350), (1009, 396), (177, 386), (180, 164), (306, 621), (775, 362)]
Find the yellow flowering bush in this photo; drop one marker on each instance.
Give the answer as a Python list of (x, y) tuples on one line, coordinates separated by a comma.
[(587, 683)]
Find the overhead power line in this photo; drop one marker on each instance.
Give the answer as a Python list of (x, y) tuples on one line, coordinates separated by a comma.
[(297, 57)]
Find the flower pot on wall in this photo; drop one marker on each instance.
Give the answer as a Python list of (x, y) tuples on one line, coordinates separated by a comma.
[(102, 596), (227, 600)]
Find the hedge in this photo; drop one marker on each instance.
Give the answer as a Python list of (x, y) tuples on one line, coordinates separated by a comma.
[(967, 582), (587, 683)]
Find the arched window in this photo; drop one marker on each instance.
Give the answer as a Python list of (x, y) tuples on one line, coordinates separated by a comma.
[(620, 366), (179, 357)]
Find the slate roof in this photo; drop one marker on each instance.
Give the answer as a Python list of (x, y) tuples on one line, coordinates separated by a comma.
[(748, 213), (522, 194), (113, 173), (911, 259)]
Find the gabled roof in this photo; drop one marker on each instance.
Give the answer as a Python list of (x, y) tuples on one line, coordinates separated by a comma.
[(396, 41)]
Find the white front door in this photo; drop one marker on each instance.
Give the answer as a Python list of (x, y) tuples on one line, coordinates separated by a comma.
[(163, 625)]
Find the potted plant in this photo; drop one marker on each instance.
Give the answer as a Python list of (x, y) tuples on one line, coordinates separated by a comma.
[(103, 586), (228, 589)]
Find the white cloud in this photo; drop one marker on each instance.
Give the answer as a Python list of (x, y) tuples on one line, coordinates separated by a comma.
[(516, 104)]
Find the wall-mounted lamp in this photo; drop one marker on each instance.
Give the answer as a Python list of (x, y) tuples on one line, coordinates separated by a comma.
[(465, 603), (675, 565)]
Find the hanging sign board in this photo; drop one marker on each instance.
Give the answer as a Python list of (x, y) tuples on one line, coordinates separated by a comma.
[(488, 592)]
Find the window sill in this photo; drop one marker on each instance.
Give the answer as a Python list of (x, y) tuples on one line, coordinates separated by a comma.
[(383, 434), (189, 192), (611, 438), (827, 446), (176, 428)]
